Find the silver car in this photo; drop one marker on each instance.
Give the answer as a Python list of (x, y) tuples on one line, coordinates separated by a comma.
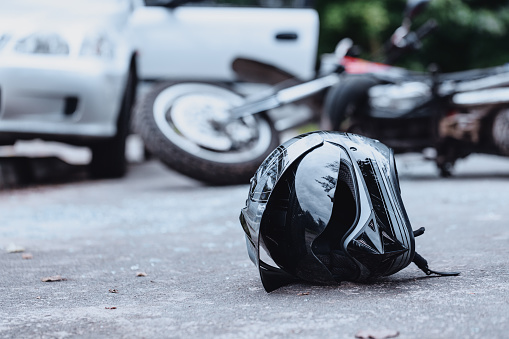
[(68, 74)]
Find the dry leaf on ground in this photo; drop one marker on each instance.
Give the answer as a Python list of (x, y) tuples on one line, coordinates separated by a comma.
[(53, 278), (376, 334)]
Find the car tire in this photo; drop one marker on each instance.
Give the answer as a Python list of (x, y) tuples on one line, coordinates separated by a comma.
[(500, 131), (109, 157)]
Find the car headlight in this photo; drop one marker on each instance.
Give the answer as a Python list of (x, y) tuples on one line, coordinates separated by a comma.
[(99, 45), (43, 43)]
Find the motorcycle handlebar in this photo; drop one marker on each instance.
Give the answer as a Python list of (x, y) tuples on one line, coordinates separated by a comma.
[(413, 39), (410, 42), (428, 27)]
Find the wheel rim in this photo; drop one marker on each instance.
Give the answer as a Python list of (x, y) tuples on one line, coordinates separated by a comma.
[(188, 114)]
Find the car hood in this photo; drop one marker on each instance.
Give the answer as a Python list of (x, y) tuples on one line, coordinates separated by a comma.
[(35, 15)]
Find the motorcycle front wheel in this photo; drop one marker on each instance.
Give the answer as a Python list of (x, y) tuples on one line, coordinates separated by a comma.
[(186, 126)]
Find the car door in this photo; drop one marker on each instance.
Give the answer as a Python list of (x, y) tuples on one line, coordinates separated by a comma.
[(196, 42)]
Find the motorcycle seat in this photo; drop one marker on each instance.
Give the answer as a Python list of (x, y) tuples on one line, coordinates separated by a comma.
[(473, 74)]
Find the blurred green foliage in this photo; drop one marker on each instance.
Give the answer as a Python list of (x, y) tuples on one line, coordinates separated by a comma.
[(471, 33)]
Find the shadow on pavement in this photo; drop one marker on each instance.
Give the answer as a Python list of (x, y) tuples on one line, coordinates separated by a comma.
[(412, 167), (21, 171), (456, 177)]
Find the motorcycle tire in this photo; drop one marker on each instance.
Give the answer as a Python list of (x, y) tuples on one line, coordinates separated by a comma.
[(500, 131), (344, 100), (178, 124)]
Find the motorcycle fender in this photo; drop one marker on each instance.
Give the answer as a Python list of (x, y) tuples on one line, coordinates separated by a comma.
[(254, 71)]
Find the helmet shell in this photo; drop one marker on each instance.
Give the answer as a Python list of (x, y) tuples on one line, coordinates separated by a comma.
[(325, 207)]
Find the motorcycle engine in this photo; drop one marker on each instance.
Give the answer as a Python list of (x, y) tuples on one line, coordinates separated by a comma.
[(396, 99)]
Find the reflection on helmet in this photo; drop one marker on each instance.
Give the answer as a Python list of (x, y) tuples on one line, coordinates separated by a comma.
[(324, 208)]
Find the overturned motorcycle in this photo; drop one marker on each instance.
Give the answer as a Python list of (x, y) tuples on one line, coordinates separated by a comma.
[(211, 132)]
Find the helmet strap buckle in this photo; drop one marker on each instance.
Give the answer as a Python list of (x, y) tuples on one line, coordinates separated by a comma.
[(423, 265)]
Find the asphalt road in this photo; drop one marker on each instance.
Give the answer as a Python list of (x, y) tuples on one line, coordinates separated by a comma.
[(158, 255)]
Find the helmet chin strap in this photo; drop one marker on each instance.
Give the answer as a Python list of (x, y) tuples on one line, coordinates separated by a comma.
[(419, 232), (423, 264)]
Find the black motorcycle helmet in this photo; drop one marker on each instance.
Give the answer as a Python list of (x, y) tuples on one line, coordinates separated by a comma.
[(325, 207)]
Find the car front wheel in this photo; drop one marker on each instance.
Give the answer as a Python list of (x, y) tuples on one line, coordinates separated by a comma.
[(108, 157)]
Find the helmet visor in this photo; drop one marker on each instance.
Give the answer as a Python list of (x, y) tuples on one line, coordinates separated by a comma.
[(299, 211), (264, 181), (262, 185)]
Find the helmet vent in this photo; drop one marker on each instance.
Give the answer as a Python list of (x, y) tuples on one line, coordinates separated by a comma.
[(387, 237), (372, 225), (365, 244)]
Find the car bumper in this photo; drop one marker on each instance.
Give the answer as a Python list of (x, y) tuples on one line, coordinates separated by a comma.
[(45, 98)]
